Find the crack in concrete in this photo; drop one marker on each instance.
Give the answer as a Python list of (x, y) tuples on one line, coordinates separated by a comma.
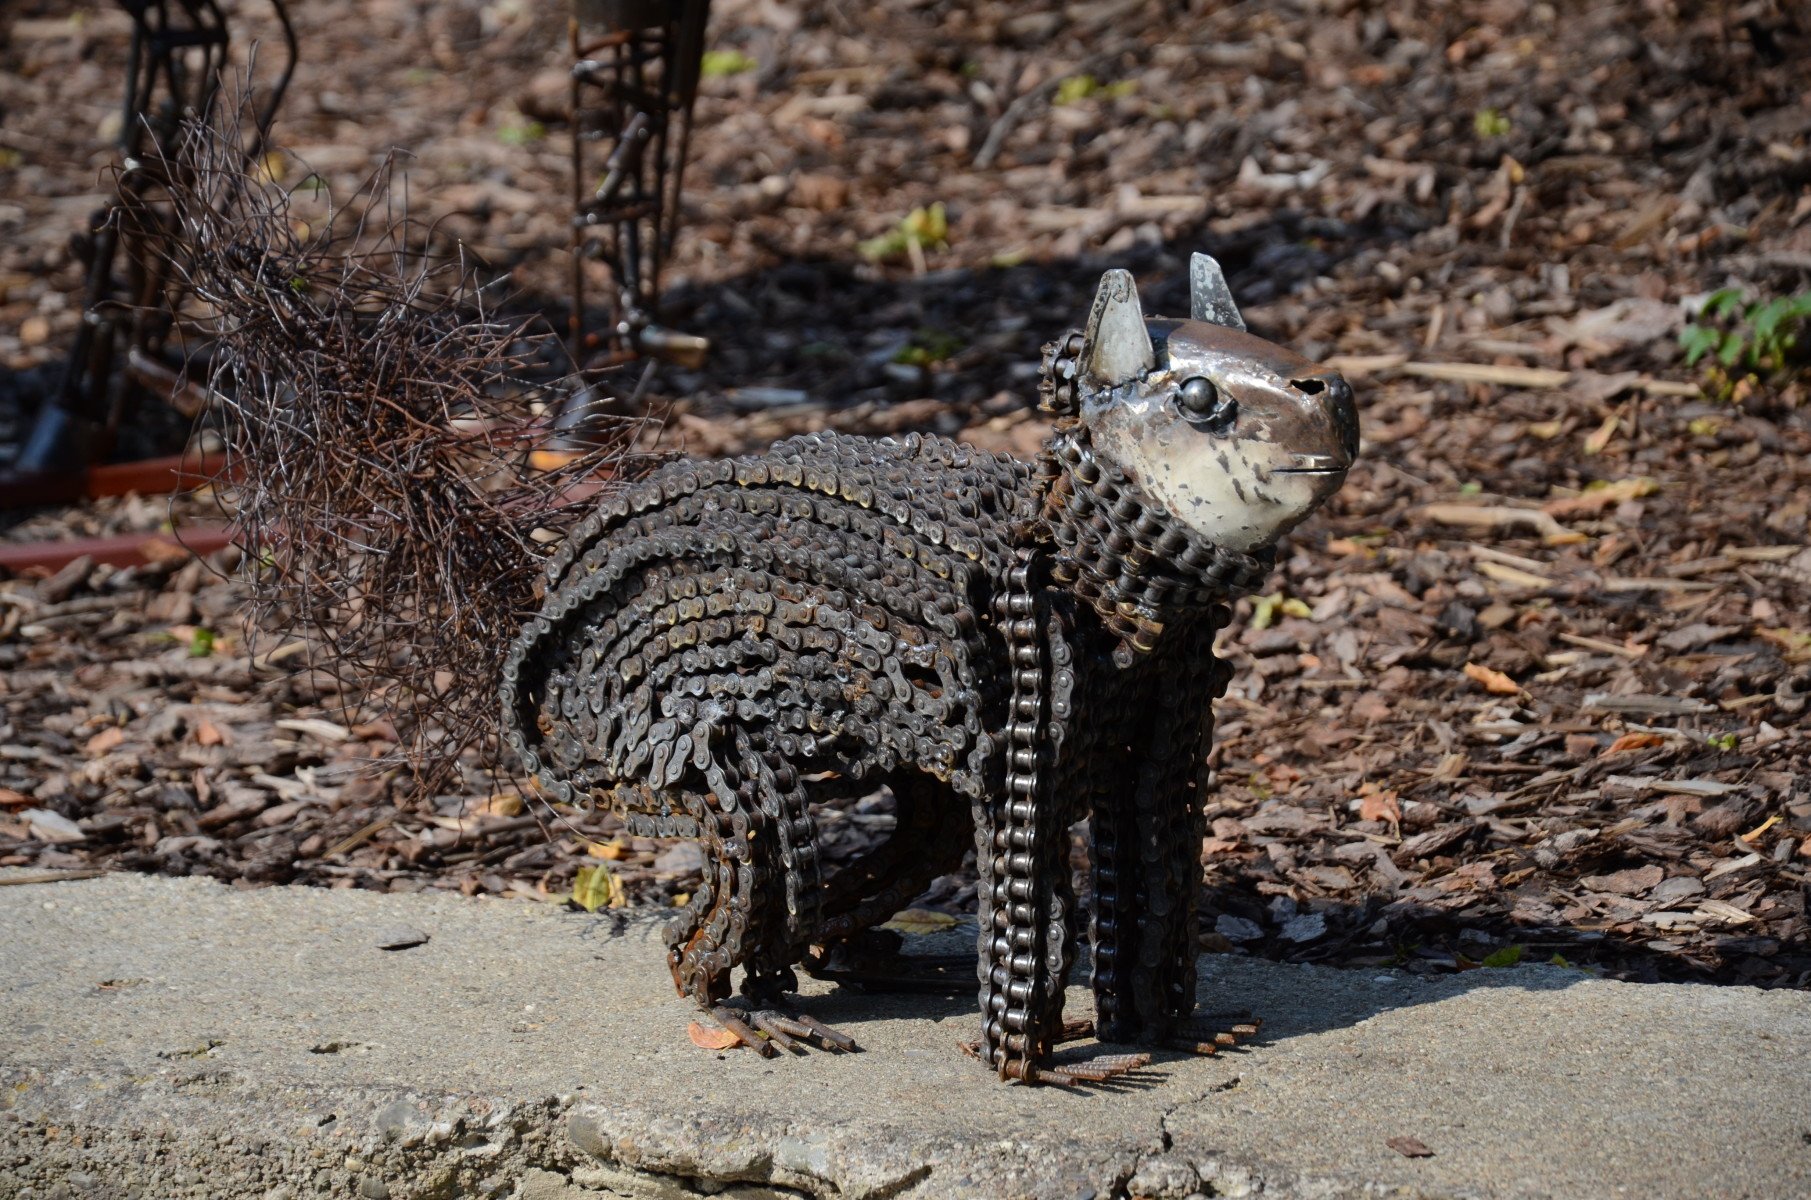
[(1151, 1177)]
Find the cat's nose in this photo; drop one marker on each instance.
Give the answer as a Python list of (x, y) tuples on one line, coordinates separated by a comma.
[(1331, 390)]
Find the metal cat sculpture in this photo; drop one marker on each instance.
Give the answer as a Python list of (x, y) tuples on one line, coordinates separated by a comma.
[(1008, 646)]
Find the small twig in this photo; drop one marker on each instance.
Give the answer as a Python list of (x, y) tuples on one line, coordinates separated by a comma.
[(361, 837), (1022, 105), (31, 877)]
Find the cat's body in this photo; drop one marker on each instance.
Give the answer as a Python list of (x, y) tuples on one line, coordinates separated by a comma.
[(1008, 646)]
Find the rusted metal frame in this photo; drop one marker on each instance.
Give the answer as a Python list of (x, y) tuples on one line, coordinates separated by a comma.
[(131, 223), (644, 77), (122, 550), (95, 388), (147, 477)]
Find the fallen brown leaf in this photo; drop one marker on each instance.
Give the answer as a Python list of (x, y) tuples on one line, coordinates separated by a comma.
[(107, 739), (503, 804), (1494, 682), (1634, 741), (711, 1039), (1379, 806), (382, 729)]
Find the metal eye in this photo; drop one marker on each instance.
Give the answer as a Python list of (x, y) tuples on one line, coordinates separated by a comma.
[(1203, 402)]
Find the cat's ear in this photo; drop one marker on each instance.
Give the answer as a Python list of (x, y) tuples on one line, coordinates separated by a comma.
[(1209, 299), (1117, 346)]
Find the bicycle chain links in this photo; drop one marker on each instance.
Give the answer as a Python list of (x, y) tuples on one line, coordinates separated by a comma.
[(719, 638)]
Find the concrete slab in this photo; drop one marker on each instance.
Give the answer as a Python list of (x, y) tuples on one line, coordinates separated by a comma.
[(174, 1038)]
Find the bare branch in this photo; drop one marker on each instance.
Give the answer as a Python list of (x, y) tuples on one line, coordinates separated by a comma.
[(379, 423)]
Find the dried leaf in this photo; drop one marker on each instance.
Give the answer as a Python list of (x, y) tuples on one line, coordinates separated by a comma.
[(107, 739), (503, 804), (597, 887), (920, 920), (1379, 806), (1409, 1147), (1634, 741), (1264, 610), (711, 1039), (1494, 682), (382, 729)]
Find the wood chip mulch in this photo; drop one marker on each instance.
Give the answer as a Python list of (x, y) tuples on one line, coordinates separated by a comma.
[(1533, 688)]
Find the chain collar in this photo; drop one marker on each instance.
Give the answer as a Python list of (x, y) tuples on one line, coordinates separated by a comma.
[(1137, 566)]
